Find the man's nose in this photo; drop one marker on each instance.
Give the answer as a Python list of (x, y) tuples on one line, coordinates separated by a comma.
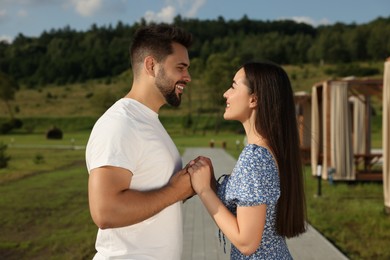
[(187, 77)]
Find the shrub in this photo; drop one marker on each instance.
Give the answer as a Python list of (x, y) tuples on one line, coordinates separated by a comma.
[(54, 133), (3, 157), (39, 159), (6, 127), (9, 125), (17, 123)]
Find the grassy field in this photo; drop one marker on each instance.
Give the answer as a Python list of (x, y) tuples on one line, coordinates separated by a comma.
[(45, 216), (45, 208), (351, 216)]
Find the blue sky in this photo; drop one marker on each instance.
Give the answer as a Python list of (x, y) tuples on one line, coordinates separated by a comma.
[(32, 17)]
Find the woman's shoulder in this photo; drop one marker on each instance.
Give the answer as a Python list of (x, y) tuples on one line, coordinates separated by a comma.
[(256, 151), (256, 156)]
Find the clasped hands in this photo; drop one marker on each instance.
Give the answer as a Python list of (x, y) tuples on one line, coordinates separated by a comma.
[(196, 177), (202, 174)]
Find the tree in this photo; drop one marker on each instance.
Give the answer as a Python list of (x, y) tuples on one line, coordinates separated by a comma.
[(331, 46), (64, 55), (218, 76), (8, 88), (378, 45)]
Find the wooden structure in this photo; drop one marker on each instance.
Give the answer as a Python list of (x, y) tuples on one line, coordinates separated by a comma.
[(386, 135), (303, 113), (341, 129)]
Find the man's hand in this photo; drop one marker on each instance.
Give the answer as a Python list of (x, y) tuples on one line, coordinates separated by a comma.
[(181, 183)]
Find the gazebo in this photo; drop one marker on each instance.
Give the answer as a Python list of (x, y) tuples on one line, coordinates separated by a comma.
[(303, 112), (386, 135), (341, 114), (335, 130)]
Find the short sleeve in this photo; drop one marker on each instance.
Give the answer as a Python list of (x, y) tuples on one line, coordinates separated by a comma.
[(109, 145), (255, 178)]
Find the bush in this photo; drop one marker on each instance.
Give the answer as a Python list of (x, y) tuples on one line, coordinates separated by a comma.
[(54, 133), (3, 157), (39, 159), (8, 126), (187, 121), (17, 123)]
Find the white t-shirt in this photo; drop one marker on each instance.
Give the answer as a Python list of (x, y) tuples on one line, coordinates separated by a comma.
[(130, 135)]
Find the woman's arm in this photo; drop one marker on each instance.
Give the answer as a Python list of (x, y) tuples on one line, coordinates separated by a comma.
[(244, 231)]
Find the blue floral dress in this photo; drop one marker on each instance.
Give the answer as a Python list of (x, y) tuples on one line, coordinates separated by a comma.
[(255, 181)]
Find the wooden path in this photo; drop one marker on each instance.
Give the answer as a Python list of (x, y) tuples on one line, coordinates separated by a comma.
[(201, 234)]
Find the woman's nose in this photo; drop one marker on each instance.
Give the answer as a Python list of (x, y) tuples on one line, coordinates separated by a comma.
[(225, 95)]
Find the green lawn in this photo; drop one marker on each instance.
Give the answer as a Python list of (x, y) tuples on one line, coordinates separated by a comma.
[(44, 204), (351, 216), (46, 216)]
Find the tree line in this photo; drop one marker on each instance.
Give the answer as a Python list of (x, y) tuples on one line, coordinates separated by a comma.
[(65, 55)]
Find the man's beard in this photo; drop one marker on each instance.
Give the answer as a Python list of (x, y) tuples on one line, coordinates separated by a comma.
[(163, 84), (172, 98)]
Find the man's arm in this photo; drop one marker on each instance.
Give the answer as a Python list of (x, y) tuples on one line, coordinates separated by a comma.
[(113, 204)]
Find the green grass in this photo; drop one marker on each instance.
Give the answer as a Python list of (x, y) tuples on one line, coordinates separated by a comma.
[(351, 216), (33, 153), (44, 203), (45, 215)]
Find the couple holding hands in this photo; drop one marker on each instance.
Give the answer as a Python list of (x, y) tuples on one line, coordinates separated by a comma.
[(136, 181)]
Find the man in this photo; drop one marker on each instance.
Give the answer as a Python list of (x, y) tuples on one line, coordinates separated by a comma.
[(136, 181)]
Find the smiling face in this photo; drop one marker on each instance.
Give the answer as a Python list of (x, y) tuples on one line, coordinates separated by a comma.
[(173, 76), (239, 103)]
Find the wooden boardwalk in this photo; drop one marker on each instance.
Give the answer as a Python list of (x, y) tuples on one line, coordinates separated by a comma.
[(201, 240)]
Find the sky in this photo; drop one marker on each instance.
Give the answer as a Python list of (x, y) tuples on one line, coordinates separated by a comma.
[(32, 17)]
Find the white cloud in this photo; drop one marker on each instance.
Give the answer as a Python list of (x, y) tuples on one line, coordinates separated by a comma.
[(195, 6), (307, 20), (6, 38), (324, 21), (165, 15), (187, 8), (86, 7)]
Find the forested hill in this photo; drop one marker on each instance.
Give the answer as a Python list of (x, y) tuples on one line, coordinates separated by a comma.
[(65, 55)]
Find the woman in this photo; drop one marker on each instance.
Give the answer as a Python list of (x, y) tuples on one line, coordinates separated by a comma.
[(262, 202)]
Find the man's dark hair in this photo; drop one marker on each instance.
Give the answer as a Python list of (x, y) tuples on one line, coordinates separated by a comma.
[(156, 40)]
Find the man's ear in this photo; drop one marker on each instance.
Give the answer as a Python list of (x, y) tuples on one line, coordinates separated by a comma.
[(253, 101), (149, 64)]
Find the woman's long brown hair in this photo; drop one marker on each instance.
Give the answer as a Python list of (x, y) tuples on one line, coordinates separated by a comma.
[(276, 122)]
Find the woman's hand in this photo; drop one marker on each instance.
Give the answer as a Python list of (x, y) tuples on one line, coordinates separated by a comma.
[(202, 174)]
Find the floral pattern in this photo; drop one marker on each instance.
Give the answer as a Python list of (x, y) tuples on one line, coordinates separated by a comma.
[(255, 181)]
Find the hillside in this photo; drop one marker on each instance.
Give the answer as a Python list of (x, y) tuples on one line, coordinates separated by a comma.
[(66, 56), (94, 96)]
